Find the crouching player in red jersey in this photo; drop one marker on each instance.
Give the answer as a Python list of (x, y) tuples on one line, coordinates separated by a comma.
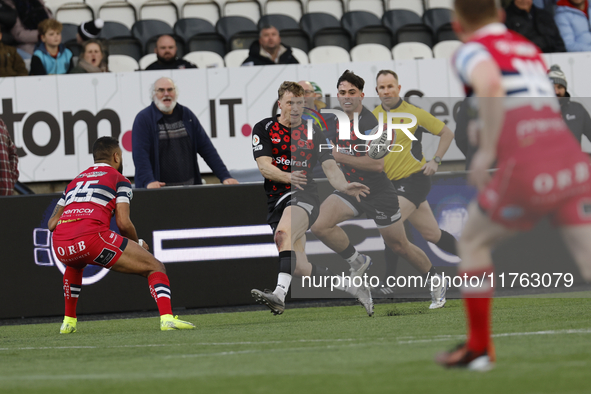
[(81, 235), (541, 170)]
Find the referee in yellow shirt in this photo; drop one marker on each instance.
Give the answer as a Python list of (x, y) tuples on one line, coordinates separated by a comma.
[(408, 170)]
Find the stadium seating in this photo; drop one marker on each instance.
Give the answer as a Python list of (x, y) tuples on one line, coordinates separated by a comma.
[(208, 10), (415, 6), (374, 6), (415, 33), (353, 21), (280, 21), (328, 54), (449, 4), (374, 35), (332, 36), (333, 7), (446, 49), (393, 20), (313, 22), (222, 26), (114, 30), (118, 11), (146, 29), (164, 10), (236, 58), (439, 21), (296, 39), (292, 8), (205, 59), (122, 63), (243, 40), (249, 9), (412, 50), (301, 56), (69, 32), (188, 27), (212, 42), (370, 52), (229, 26), (74, 13), (146, 60), (125, 46)]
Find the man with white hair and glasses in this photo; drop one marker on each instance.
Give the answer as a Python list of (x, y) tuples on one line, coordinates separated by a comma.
[(166, 140)]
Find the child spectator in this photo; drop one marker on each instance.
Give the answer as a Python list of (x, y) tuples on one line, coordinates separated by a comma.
[(51, 56)]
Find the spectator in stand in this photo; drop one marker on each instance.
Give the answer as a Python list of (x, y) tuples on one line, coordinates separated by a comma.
[(574, 114), (572, 19), (92, 60), (8, 162), (269, 50), (166, 52), (166, 140), (535, 24), (11, 63), (24, 31), (51, 56), (89, 30)]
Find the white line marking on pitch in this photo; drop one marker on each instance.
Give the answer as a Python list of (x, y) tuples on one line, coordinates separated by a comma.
[(436, 338)]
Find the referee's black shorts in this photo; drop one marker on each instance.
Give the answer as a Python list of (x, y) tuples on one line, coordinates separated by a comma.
[(415, 188)]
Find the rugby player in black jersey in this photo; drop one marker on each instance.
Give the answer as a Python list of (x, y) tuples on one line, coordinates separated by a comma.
[(381, 206), (285, 156)]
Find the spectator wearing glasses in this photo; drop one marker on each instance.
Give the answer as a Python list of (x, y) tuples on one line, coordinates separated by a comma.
[(166, 140)]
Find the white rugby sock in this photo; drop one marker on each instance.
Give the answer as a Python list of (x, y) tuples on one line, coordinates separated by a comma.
[(283, 282)]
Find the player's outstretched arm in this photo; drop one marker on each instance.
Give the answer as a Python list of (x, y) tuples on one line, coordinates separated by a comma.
[(337, 180), (126, 227), (55, 217)]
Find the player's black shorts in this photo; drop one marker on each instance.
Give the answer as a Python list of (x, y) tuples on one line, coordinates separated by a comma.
[(382, 206), (307, 201), (415, 188)]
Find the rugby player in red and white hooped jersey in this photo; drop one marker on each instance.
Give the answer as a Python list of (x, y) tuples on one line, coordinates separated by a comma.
[(541, 169), (81, 234)]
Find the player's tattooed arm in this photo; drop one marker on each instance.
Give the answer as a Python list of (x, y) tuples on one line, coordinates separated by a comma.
[(57, 212)]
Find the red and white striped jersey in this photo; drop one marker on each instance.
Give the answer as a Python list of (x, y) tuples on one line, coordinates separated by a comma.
[(90, 200), (533, 121)]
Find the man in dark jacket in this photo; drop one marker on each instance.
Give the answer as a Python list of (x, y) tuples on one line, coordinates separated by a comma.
[(166, 140), (269, 50), (166, 52), (574, 114), (535, 24)]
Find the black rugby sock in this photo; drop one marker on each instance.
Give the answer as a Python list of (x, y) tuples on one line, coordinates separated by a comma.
[(447, 243)]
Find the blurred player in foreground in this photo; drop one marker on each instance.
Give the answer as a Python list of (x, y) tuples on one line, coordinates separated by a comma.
[(285, 156), (81, 235), (541, 169)]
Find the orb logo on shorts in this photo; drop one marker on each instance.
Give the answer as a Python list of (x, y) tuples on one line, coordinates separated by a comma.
[(45, 255)]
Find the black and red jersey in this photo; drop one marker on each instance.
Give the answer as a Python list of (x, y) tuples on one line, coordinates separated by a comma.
[(290, 150)]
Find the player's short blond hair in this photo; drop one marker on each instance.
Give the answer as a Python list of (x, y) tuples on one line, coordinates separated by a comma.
[(475, 12), (295, 88)]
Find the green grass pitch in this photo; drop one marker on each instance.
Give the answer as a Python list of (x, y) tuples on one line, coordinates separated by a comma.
[(543, 346)]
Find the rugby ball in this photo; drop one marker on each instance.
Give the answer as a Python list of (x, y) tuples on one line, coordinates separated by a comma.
[(378, 148)]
